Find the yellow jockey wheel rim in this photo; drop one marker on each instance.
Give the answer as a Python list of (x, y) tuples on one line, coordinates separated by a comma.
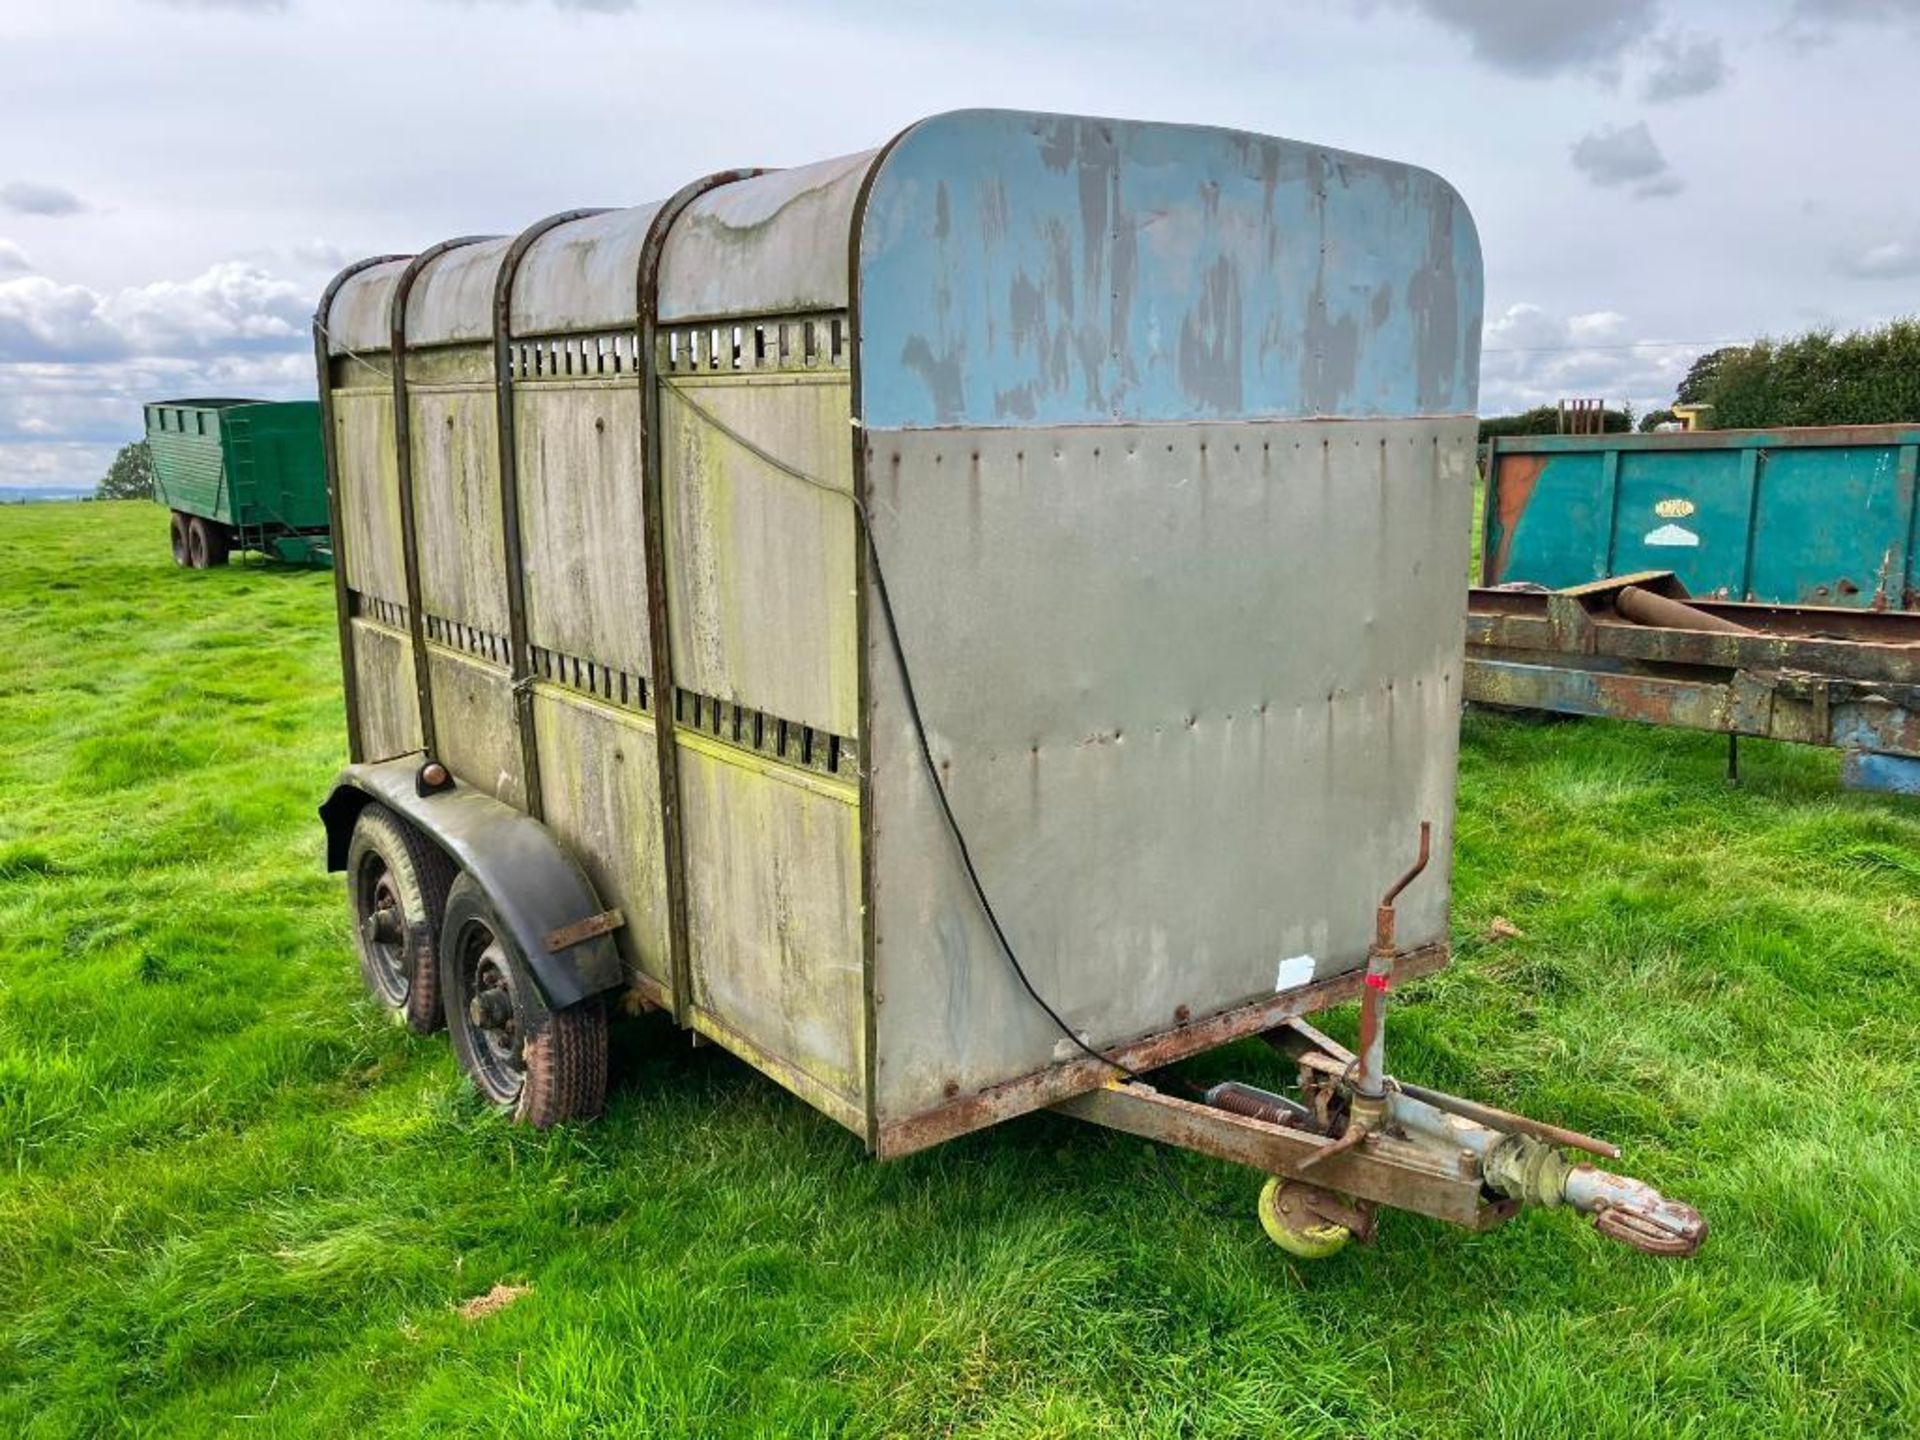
[(1293, 1227)]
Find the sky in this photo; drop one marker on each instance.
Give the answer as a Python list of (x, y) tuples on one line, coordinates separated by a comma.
[(1651, 178)]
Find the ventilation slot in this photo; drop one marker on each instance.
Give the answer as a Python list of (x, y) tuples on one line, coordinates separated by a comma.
[(787, 741)]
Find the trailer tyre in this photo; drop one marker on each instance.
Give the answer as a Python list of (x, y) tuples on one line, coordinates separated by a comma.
[(397, 883), (207, 543), (177, 536), (542, 1067), (1293, 1228)]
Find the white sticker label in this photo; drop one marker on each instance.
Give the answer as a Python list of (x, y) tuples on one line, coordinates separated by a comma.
[(1673, 535), (1295, 971)]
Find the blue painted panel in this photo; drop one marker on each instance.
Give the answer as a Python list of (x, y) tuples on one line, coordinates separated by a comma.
[(1886, 774), (1020, 269)]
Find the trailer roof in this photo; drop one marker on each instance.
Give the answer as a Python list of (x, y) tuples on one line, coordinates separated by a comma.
[(1025, 269)]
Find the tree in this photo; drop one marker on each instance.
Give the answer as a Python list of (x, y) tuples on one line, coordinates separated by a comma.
[(1700, 376), (1545, 420), (130, 476), (1869, 377), (1654, 419)]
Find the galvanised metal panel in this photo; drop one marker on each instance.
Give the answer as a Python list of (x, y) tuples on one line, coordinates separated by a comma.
[(600, 787), (583, 519), (1193, 689), (583, 276), (1048, 269), (473, 723), (1819, 516), (761, 598), (456, 496), (775, 244), (773, 899), (452, 298), (360, 320), (369, 489), (389, 705)]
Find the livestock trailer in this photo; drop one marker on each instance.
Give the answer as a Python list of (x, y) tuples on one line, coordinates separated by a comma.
[(240, 475), (963, 626), (1815, 516)]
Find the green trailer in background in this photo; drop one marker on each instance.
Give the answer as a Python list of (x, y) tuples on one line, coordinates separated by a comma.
[(1810, 517), (241, 475)]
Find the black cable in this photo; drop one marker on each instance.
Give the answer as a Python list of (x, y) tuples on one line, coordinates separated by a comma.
[(919, 724)]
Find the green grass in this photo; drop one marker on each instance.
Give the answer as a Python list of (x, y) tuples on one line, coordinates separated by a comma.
[(236, 1201)]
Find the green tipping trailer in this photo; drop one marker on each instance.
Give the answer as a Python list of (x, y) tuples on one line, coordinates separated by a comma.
[(1815, 516), (241, 475)]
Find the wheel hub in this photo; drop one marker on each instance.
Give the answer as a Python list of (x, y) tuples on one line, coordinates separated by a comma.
[(491, 1009), (383, 926)]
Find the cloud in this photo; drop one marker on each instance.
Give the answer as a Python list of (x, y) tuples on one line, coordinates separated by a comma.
[(1627, 156), (76, 364), (1547, 37), (231, 306), (1688, 65), (1818, 22), (13, 260), (1871, 12), (42, 319), (318, 254), (1882, 260), (58, 465), (256, 6), (1532, 356), (30, 197)]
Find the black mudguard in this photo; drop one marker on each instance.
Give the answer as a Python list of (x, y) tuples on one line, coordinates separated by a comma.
[(535, 885)]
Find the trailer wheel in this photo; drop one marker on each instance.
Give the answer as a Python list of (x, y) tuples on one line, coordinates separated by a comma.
[(177, 535), (1295, 1228), (207, 543), (397, 885), (543, 1067)]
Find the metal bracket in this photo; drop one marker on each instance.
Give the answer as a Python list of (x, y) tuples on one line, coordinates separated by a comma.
[(567, 936)]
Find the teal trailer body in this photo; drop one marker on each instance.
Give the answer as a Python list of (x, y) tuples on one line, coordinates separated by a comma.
[(1817, 516)]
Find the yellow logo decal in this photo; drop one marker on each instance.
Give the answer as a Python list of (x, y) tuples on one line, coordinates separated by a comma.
[(1674, 509)]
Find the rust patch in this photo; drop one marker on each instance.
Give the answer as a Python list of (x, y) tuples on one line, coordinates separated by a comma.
[(1057, 1082), (1511, 490)]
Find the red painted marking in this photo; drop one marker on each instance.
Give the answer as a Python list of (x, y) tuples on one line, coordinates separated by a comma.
[(1378, 982)]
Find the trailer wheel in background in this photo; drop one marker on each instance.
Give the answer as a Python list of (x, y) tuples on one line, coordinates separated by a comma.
[(542, 1066), (177, 535), (207, 543), (397, 885)]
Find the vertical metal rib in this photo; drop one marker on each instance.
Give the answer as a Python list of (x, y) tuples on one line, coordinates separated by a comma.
[(869, 960), (403, 461), (646, 327), (337, 530), (520, 651)]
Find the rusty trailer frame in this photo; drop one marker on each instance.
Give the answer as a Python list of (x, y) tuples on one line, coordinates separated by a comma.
[(1638, 647)]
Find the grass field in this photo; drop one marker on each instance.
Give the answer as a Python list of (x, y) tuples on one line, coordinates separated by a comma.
[(237, 1201)]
